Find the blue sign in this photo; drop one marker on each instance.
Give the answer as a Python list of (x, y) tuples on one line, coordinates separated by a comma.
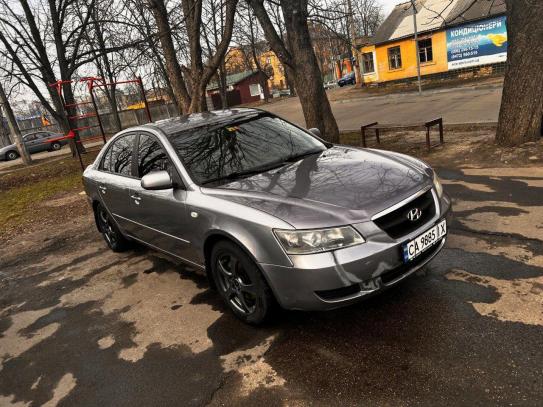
[(478, 43)]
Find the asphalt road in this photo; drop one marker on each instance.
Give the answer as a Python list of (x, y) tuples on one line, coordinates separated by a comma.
[(478, 104), (82, 326)]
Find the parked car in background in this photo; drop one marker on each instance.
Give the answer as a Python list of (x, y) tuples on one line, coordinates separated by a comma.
[(35, 143), (349, 79), (330, 85), (271, 212)]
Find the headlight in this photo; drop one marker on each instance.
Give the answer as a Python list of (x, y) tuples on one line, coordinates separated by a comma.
[(318, 240), (438, 186)]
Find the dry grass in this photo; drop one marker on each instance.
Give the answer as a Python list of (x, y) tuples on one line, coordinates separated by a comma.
[(25, 192)]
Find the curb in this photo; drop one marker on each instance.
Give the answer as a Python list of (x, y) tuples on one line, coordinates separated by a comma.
[(415, 93)]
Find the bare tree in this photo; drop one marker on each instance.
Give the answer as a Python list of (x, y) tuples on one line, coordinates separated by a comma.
[(13, 127), (252, 44), (368, 16), (299, 57), (97, 36), (200, 73), (173, 67), (43, 51)]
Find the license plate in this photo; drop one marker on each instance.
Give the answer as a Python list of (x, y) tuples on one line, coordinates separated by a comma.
[(424, 241)]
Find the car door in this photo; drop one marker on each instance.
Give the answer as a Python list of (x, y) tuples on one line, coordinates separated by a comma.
[(42, 142), (32, 143), (115, 178), (160, 216)]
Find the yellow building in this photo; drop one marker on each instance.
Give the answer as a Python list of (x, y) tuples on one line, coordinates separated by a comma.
[(452, 35), (240, 59)]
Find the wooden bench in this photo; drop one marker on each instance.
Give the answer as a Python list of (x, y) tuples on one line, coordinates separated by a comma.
[(428, 125)]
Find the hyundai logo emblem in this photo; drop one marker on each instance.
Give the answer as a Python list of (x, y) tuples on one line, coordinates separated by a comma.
[(414, 214)]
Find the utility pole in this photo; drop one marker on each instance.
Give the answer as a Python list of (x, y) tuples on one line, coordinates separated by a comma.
[(13, 127), (354, 51), (416, 43)]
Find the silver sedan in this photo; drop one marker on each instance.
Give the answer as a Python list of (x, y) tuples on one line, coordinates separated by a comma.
[(273, 214), (35, 143)]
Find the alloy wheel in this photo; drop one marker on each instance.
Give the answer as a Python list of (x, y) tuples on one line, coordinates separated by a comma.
[(235, 283), (107, 227)]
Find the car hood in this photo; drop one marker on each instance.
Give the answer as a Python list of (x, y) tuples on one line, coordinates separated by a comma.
[(341, 185)]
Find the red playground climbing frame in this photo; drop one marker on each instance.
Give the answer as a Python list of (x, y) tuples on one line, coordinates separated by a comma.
[(92, 83)]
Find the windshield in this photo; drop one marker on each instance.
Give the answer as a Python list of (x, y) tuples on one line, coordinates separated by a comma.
[(218, 152)]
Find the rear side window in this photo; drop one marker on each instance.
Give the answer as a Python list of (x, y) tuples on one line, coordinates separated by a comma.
[(151, 156), (118, 158)]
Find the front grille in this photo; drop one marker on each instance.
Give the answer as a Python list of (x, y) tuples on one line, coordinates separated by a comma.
[(397, 272), (396, 224)]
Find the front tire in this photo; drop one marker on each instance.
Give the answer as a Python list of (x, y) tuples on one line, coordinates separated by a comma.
[(56, 146), (109, 230), (12, 155), (240, 283)]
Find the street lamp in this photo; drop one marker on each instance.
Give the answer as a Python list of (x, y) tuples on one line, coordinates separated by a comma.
[(416, 43)]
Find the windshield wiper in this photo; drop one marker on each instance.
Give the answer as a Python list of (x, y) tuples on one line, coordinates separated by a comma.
[(240, 174), (297, 157)]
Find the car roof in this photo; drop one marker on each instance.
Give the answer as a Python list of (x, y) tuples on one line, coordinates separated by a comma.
[(183, 123)]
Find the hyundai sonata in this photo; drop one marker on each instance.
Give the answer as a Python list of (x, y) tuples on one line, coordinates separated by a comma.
[(272, 213)]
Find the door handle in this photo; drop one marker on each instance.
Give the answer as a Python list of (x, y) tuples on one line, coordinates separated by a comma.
[(136, 198)]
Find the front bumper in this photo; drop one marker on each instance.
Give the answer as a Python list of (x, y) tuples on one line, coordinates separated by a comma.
[(334, 279)]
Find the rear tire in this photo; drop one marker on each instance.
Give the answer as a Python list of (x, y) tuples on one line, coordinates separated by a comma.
[(240, 283), (109, 230), (12, 155), (55, 146)]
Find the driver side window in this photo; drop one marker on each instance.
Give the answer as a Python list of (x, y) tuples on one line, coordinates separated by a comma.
[(152, 157)]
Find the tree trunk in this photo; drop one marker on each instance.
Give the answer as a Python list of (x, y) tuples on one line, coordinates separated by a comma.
[(299, 56), (222, 85), (5, 139), (290, 83), (108, 71), (114, 107), (13, 127), (307, 75), (521, 111), (173, 68), (68, 124)]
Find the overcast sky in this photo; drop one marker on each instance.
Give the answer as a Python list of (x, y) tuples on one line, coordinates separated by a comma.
[(388, 5)]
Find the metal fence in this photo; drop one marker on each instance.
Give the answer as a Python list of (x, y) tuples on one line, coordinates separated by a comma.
[(129, 118)]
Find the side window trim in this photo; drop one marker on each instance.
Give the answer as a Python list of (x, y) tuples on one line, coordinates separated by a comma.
[(109, 149)]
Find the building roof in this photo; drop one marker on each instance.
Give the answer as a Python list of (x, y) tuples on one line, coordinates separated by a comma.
[(434, 15), (232, 79)]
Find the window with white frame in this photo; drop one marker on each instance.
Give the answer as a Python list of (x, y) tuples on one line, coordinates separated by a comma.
[(426, 53), (394, 58), (254, 89), (367, 61)]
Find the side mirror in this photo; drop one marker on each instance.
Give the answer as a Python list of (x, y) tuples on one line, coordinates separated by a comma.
[(316, 132), (156, 181)]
